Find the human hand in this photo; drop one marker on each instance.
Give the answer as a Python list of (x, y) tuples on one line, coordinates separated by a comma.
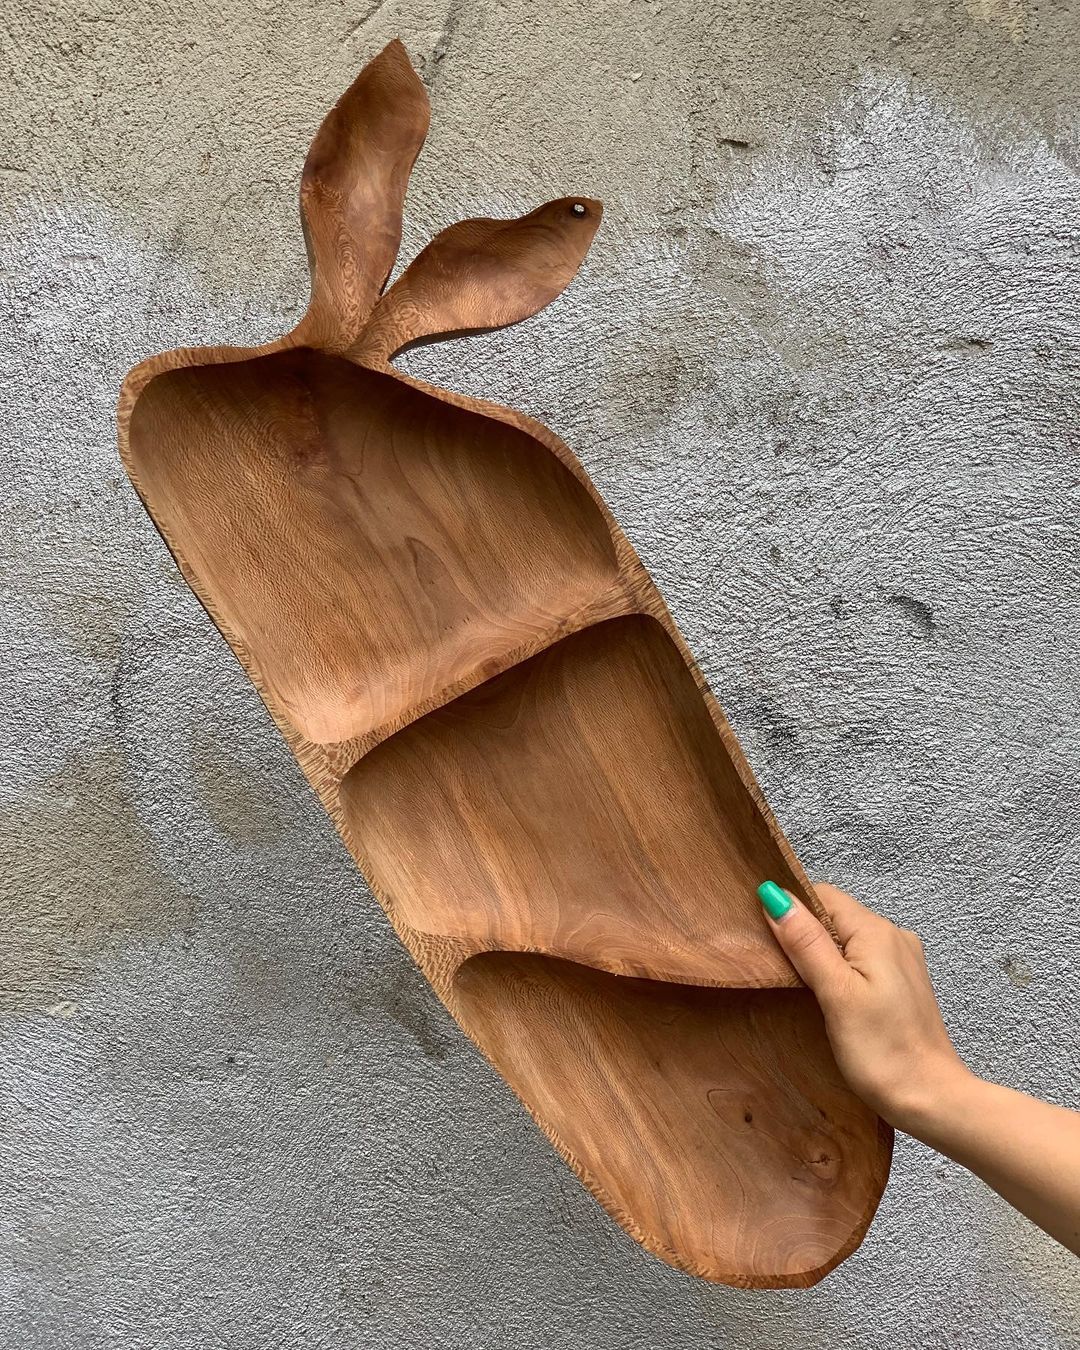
[(892, 1047), (881, 1015)]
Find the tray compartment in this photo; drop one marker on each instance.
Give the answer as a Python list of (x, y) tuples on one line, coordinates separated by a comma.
[(369, 544), (713, 1122), (582, 804)]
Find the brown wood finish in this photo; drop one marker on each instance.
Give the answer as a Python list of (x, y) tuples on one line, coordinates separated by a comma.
[(419, 539), (659, 848), (486, 690)]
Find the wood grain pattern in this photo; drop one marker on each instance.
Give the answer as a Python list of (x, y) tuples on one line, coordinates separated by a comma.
[(482, 274), (352, 193), (468, 536), (603, 743), (486, 690), (720, 1130)]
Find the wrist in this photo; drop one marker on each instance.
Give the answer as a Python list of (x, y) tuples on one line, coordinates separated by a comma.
[(930, 1107)]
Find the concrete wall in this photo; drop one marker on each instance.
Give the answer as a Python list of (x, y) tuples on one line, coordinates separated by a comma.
[(822, 362)]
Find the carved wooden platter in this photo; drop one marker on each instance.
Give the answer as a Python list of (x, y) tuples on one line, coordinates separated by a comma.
[(486, 690)]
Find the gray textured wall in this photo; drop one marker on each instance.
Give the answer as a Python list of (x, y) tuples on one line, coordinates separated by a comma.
[(821, 361)]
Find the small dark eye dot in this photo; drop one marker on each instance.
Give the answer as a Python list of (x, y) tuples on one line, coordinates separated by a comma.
[(578, 209)]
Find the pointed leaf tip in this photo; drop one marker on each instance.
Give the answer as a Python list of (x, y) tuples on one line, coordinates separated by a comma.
[(482, 274), (353, 190)]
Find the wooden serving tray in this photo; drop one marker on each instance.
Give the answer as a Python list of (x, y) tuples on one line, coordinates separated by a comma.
[(487, 692)]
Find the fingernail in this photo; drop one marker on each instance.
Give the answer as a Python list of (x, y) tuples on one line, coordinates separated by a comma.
[(776, 902)]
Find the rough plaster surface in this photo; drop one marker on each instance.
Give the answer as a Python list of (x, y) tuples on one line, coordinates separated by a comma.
[(822, 362)]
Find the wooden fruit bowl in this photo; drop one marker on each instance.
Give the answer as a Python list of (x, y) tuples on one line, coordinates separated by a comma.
[(486, 690)]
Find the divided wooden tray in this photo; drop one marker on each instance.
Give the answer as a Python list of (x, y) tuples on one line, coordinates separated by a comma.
[(486, 690)]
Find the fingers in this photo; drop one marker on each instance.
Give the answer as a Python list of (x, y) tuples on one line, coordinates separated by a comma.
[(847, 914), (805, 941)]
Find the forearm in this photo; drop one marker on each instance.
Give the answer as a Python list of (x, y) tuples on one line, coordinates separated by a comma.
[(1027, 1150)]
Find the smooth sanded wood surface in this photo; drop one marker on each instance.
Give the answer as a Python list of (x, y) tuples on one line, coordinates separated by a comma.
[(718, 1120), (603, 743), (419, 540), (485, 688)]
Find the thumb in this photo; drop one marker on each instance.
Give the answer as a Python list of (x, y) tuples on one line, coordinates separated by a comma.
[(804, 939)]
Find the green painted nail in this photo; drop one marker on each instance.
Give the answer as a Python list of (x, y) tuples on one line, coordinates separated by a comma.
[(776, 902)]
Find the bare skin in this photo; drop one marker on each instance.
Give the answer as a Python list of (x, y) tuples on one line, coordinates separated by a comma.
[(891, 1045)]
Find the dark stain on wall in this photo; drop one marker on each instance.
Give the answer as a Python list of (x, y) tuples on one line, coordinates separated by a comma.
[(404, 996), (240, 804), (81, 875)]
